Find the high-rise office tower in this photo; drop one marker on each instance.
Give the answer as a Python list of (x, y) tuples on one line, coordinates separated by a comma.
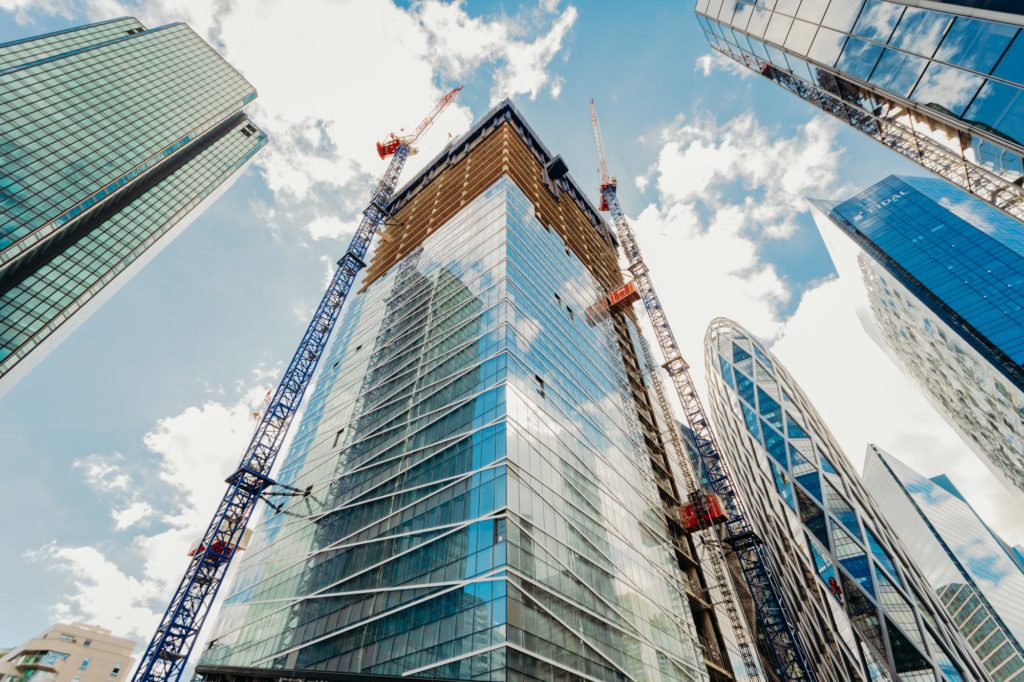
[(944, 273), (939, 82), (965, 562), (860, 602), (112, 136), (488, 483)]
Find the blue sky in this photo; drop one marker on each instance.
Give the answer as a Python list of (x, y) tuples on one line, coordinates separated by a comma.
[(116, 445)]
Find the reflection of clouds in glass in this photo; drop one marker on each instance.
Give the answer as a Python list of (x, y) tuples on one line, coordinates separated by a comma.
[(859, 58), (947, 87), (841, 15), (969, 211), (897, 71), (975, 44), (827, 45), (920, 31), (878, 20)]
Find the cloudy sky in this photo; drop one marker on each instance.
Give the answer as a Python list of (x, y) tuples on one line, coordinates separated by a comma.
[(116, 446)]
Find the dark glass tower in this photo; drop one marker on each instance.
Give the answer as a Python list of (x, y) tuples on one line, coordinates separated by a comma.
[(490, 489), (967, 564), (939, 82), (864, 607), (944, 273), (111, 137)]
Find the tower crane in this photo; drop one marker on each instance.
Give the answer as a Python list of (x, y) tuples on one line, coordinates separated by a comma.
[(722, 507), (168, 652)]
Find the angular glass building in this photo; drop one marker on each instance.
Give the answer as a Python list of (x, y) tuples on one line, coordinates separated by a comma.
[(944, 273), (112, 136), (862, 605), (965, 562), (939, 82), (488, 482)]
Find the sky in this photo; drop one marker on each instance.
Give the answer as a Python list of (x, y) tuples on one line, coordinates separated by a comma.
[(116, 445)]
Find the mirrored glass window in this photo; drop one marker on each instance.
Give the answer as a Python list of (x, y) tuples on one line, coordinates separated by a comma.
[(859, 58), (759, 22), (975, 44), (897, 72), (842, 15), (1011, 66), (920, 31), (800, 37), (778, 29), (787, 6), (800, 68), (878, 19), (947, 88), (742, 16), (812, 10), (999, 107), (827, 46)]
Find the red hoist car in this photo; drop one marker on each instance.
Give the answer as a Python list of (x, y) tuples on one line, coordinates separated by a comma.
[(703, 510)]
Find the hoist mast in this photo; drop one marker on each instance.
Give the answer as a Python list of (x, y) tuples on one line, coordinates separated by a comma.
[(735, 531), (168, 652)]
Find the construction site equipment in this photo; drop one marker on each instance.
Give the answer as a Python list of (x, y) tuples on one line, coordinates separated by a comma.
[(607, 183), (624, 296), (393, 141), (772, 613), (172, 644), (703, 510)]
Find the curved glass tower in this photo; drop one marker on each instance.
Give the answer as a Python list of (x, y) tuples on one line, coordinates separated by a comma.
[(864, 605)]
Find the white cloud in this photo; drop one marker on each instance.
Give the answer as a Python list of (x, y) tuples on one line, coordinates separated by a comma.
[(713, 61), (331, 87), (102, 592), (132, 514), (329, 227), (104, 472), (126, 584), (723, 188)]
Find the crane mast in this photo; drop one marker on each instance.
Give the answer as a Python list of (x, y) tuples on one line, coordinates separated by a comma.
[(168, 652), (736, 532)]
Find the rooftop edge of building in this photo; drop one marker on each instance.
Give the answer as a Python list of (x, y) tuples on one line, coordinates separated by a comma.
[(484, 126)]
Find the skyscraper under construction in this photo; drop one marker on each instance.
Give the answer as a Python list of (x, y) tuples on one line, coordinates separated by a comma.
[(491, 497)]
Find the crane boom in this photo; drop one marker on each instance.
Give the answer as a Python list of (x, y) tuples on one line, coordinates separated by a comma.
[(168, 652), (601, 161), (772, 612)]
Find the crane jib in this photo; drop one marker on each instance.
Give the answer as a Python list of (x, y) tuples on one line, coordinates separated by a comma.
[(167, 654), (771, 610)]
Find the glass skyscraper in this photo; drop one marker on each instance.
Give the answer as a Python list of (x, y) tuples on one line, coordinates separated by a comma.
[(940, 83), (944, 273), (967, 564), (488, 482), (861, 604), (111, 136)]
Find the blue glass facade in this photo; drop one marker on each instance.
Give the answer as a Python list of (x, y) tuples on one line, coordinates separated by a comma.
[(869, 613), (940, 86), (110, 135), (945, 276), (965, 258), (980, 585), (483, 504)]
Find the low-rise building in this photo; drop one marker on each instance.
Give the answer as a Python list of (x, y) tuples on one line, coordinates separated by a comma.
[(69, 653)]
